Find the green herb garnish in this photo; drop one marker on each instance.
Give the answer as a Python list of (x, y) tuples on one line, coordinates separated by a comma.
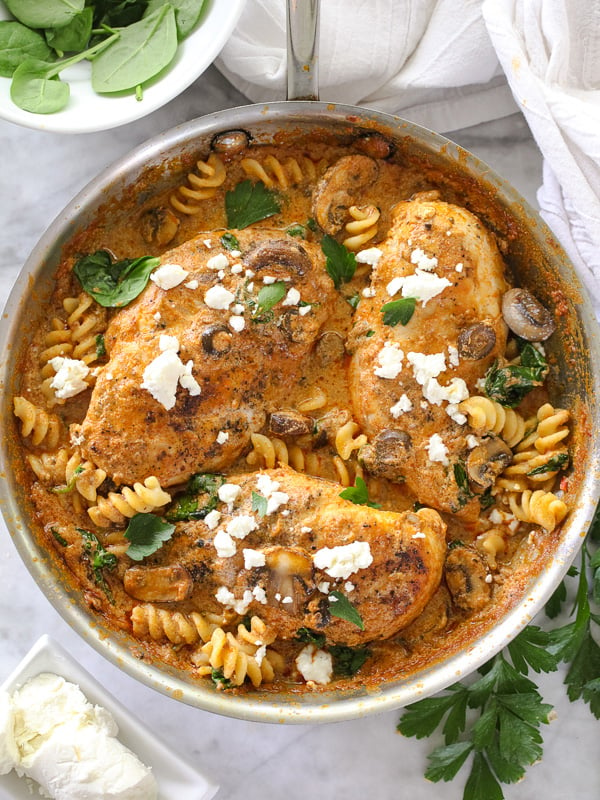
[(99, 558), (462, 481), (230, 242), (100, 346), (398, 311), (59, 538), (296, 229), (147, 533), (219, 679), (341, 607), (508, 385), (340, 262), (187, 505), (552, 465), (259, 504), (269, 296), (308, 636), (114, 284), (353, 300), (249, 203), (348, 660), (358, 494)]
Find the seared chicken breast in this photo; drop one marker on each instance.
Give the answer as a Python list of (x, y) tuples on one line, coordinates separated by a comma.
[(408, 379), (283, 555), (194, 369)]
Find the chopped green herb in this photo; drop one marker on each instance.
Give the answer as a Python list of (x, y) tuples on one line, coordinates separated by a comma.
[(249, 203), (269, 296), (462, 481), (187, 505), (99, 558), (368, 334), (487, 499), (311, 224), (552, 465), (348, 660), (398, 311), (353, 300), (308, 636), (341, 607), (100, 346), (220, 680), (114, 284), (230, 242), (147, 533), (340, 262), (71, 484), (358, 494), (259, 504), (296, 229), (508, 385), (60, 539)]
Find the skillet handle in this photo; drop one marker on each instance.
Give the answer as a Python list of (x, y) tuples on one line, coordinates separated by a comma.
[(302, 49)]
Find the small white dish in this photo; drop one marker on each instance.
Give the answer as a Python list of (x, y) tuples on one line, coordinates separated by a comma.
[(88, 111), (176, 778)]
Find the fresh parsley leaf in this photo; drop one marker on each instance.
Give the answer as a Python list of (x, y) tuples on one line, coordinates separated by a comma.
[(308, 636), (269, 296), (529, 649), (445, 762), (398, 311), (230, 242), (420, 719), (482, 782), (353, 300), (552, 465), (358, 494), (259, 504), (340, 262), (147, 533), (114, 284), (341, 607), (347, 661), (249, 203), (187, 505)]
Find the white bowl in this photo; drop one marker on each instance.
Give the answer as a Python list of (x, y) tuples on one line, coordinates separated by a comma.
[(176, 779), (87, 111)]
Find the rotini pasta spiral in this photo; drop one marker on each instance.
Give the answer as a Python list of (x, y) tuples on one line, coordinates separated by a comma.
[(346, 440), (49, 468), (270, 451), (315, 400), (188, 199), (43, 428), (538, 507), (87, 321), (142, 499), (282, 174), (363, 226), (178, 628), (552, 428), (85, 477), (488, 416)]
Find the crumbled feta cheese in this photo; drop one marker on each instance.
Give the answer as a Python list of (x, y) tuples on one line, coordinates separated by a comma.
[(237, 268), (268, 279), (315, 665), (207, 244), (459, 267), (224, 544), (424, 405), (219, 261), (259, 594), (187, 380), (304, 310), (292, 297), (418, 535), (229, 492), (235, 253), (249, 273), (285, 512), (166, 342), (237, 308), (222, 437), (496, 517), (218, 297), (227, 598), (109, 376), (426, 366), (70, 376), (369, 256), (253, 558), (453, 357), (167, 276), (323, 587), (453, 412), (275, 501), (349, 586), (266, 485), (250, 286), (422, 285), (472, 441), (454, 392), (211, 520), (193, 284), (260, 654), (238, 323), (241, 526), (157, 316), (480, 384), (369, 291), (162, 375), (436, 449), (422, 260), (403, 405), (287, 599), (488, 578), (344, 560), (305, 529), (390, 361)]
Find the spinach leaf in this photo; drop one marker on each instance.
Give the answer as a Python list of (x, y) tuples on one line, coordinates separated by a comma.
[(116, 14), (308, 636), (34, 89), (74, 36), (114, 284), (18, 43), (297, 229), (46, 14), (187, 505), (462, 481), (341, 607), (398, 311), (340, 262), (100, 346), (249, 203), (141, 52), (348, 660), (147, 533), (230, 242), (508, 385), (358, 494), (554, 463), (99, 559), (187, 14)]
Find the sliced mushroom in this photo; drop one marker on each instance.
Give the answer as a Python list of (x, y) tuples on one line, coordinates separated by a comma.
[(328, 426), (466, 578), (230, 143), (339, 188), (476, 341), (330, 348), (159, 225), (290, 581), (216, 340), (296, 327), (526, 316), (289, 422), (158, 584), (386, 455), (374, 145), (486, 461), (275, 253)]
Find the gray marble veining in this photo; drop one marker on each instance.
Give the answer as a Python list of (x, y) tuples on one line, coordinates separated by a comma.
[(350, 760)]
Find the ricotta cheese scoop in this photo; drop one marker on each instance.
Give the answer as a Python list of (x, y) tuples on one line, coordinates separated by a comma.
[(51, 733)]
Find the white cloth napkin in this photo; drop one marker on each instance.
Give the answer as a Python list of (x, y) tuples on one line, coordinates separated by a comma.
[(430, 61), (550, 52)]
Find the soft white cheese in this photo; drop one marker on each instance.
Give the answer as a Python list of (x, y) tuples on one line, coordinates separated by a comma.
[(343, 560), (220, 261), (422, 285), (401, 407), (70, 747), (426, 366), (218, 297), (390, 359), (368, 291), (437, 450), (222, 437), (166, 342), (238, 323), (292, 297), (211, 520), (70, 378), (167, 276), (259, 595), (224, 544), (241, 525), (229, 492), (9, 753), (315, 665), (304, 310), (253, 558), (228, 599), (422, 260), (163, 375), (369, 256), (193, 284)]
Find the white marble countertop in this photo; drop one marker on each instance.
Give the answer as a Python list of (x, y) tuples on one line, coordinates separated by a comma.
[(40, 173)]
